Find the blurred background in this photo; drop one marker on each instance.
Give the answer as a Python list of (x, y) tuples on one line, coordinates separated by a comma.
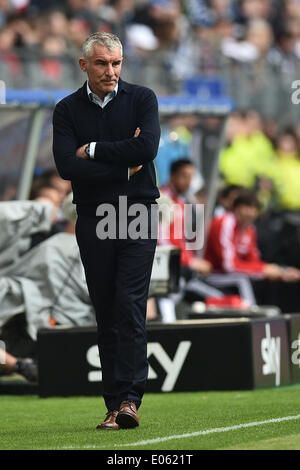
[(252, 45), (247, 50), (225, 73)]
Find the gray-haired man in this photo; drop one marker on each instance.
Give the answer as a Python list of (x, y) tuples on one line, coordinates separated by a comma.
[(106, 137)]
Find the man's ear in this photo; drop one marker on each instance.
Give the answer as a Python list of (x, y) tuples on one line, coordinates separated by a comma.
[(82, 63)]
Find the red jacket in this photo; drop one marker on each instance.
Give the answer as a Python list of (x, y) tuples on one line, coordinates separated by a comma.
[(230, 249), (186, 256)]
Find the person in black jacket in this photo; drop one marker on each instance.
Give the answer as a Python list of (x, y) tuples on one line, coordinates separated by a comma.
[(105, 138)]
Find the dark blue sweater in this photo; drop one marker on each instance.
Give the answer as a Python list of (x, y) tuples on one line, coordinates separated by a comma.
[(77, 121)]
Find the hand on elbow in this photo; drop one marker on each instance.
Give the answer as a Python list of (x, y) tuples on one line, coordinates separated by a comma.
[(135, 169), (80, 152)]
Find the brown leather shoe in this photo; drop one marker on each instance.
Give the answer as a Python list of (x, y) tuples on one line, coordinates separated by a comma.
[(110, 421), (127, 416)]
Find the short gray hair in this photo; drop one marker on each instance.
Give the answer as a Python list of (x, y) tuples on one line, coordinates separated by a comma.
[(108, 40)]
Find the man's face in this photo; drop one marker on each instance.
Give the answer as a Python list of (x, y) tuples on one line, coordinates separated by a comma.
[(256, 8), (103, 68), (63, 187), (181, 180), (245, 215)]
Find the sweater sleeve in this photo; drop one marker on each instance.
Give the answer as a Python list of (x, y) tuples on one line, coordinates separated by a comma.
[(71, 167), (135, 150)]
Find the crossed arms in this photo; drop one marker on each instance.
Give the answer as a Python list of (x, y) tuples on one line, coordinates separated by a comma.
[(112, 159)]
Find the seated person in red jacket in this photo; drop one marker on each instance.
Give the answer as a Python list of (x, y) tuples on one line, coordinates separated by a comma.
[(232, 246), (177, 189)]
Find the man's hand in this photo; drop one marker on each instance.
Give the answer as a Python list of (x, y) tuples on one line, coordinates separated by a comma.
[(80, 152), (291, 274), (135, 169), (201, 266), (273, 272)]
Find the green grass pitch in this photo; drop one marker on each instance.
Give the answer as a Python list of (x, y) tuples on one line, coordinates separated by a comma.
[(175, 421)]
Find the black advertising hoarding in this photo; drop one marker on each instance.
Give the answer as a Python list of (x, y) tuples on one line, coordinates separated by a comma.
[(205, 355), (65, 360), (270, 352), (220, 354), (188, 356)]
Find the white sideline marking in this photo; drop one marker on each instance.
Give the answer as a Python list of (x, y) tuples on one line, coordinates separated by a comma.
[(193, 434)]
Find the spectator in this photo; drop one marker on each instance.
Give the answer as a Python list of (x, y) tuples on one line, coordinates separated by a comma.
[(258, 41), (52, 178), (262, 157), (28, 34), (50, 189), (226, 198), (10, 65), (207, 13), (78, 30), (120, 15), (260, 143), (285, 53), (236, 159), (4, 7), (286, 171), (55, 70), (249, 153), (162, 16), (175, 144), (58, 23), (74, 7), (49, 195), (292, 8), (232, 247), (252, 9)]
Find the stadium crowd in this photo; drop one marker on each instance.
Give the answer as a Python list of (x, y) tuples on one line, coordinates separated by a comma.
[(254, 44)]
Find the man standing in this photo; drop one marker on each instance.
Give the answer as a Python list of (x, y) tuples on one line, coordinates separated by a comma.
[(105, 138)]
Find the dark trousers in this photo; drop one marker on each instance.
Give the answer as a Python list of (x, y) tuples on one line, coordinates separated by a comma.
[(118, 274)]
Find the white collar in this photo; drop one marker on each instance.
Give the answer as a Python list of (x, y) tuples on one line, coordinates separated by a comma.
[(114, 92)]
